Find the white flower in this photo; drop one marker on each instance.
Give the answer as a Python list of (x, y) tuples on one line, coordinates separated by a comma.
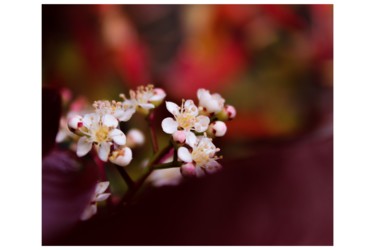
[(98, 196), (121, 156), (186, 118), (202, 155), (143, 99), (134, 138), (210, 103), (117, 109), (217, 129), (99, 130)]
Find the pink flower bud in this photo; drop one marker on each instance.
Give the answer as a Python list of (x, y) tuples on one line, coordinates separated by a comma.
[(179, 136), (188, 170), (231, 111)]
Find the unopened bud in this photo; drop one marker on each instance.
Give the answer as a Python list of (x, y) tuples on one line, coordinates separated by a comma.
[(227, 113), (158, 97), (179, 136), (217, 129), (135, 138), (121, 157), (75, 122)]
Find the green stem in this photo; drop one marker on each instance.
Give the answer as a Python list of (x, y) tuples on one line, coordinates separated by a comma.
[(126, 177), (154, 141), (173, 164)]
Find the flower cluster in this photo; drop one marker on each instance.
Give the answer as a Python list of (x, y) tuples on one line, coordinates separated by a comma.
[(193, 128), (101, 128)]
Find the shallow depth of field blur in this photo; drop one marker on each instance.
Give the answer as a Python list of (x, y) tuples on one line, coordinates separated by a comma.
[(274, 63)]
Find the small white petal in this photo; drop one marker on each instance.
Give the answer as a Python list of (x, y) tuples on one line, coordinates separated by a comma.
[(89, 119), (127, 114), (191, 107), (117, 136), (101, 187), (89, 212), (146, 106), (184, 154), (109, 120), (191, 138), (218, 128), (169, 125), (103, 151), (159, 94), (102, 197), (83, 146), (179, 136), (124, 158), (202, 123), (172, 107)]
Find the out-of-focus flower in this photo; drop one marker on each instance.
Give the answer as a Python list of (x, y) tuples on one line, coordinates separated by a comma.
[(121, 156), (202, 156), (98, 196), (99, 130), (117, 109), (134, 138), (186, 118), (165, 177), (210, 103), (217, 129), (143, 99)]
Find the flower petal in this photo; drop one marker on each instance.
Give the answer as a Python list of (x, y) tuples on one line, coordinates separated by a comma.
[(135, 138), (89, 212), (103, 151), (169, 125), (89, 119), (191, 107), (191, 138), (117, 136), (83, 146), (127, 114), (146, 106), (184, 154), (102, 197), (159, 94), (101, 187), (172, 107), (202, 123), (109, 120)]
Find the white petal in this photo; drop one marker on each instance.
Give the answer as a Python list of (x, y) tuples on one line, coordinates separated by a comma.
[(103, 151), (117, 136), (89, 119), (191, 139), (188, 170), (202, 123), (109, 120), (172, 107), (102, 197), (146, 105), (89, 212), (127, 114), (83, 146), (184, 154), (191, 107), (218, 128), (124, 158), (169, 125), (101, 187), (74, 121), (159, 94), (200, 93)]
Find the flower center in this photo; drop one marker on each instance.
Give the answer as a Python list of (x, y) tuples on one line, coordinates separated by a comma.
[(186, 120), (101, 134), (200, 156)]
